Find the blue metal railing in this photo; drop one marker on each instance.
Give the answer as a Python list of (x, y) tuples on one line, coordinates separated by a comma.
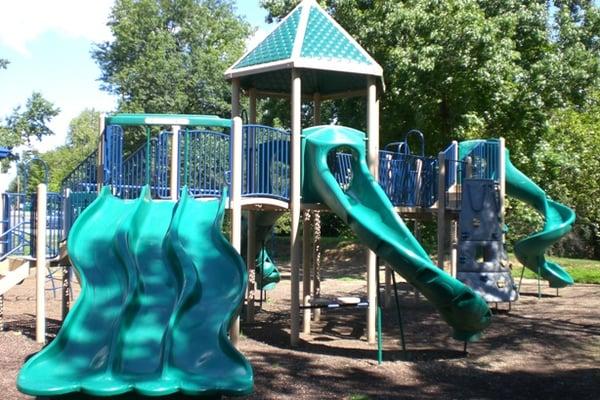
[(204, 161), (113, 155), (15, 239), (266, 162), (80, 188), (134, 171), (408, 180)]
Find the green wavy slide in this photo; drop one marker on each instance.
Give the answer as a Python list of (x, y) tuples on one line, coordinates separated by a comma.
[(365, 207), (558, 218), (160, 285)]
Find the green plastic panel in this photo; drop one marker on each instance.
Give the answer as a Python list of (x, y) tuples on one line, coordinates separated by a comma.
[(324, 40), (160, 286), (277, 46), (167, 119), (365, 207), (559, 220)]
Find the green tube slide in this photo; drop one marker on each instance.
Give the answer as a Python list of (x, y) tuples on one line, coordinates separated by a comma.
[(558, 218), (160, 286), (267, 273), (364, 206)]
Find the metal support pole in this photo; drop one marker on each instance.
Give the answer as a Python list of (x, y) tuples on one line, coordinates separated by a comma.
[(295, 203), (175, 163), (306, 264), (373, 162), (40, 256), (441, 210), (251, 264), (235, 204)]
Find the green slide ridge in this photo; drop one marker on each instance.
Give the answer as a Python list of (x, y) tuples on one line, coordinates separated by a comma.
[(559, 220), (160, 285), (364, 206)]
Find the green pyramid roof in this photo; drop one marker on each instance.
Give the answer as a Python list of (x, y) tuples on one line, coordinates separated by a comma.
[(308, 39)]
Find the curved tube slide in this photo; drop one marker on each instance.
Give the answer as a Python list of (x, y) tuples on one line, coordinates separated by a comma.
[(365, 207), (558, 218), (160, 285)]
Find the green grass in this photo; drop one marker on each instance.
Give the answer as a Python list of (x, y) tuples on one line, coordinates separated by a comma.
[(582, 271), (359, 397)]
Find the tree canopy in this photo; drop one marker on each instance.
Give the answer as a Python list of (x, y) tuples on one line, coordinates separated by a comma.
[(459, 69), (21, 126), (169, 56)]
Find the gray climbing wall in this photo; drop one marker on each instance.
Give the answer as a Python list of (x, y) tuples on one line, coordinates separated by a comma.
[(482, 260)]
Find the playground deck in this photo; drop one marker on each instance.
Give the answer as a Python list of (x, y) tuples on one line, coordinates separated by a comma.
[(541, 349)]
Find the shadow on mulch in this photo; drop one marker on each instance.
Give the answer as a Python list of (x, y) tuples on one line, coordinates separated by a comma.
[(25, 324)]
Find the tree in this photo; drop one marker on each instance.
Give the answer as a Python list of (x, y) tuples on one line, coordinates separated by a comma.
[(169, 56), (82, 139), (32, 122), (3, 63), (84, 130), (525, 70), (468, 68)]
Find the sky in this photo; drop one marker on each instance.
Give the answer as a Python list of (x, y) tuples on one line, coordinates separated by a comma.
[(48, 45)]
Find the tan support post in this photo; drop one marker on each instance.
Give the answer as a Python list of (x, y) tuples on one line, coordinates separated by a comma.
[(295, 204), (316, 226), (236, 109), (40, 258), (306, 264), (175, 162), (236, 205), (100, 155), (441, 210), (373, 162), (252, 105), (502, 179)]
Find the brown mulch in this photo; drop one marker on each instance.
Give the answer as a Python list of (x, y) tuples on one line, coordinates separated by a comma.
[(545, 348)]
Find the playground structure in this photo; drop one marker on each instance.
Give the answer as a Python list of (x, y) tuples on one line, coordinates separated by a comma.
[(149, 191)]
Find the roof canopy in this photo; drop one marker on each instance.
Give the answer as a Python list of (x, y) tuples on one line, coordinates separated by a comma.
[(330, 61)]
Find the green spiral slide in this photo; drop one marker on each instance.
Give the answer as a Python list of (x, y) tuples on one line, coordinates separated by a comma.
[(160, 285), (558, 218), (365, 207)]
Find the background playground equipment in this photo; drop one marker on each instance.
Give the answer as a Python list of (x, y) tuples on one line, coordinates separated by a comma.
[(267, 172)]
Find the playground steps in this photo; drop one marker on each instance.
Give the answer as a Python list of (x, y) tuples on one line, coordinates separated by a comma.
[(12, 272)]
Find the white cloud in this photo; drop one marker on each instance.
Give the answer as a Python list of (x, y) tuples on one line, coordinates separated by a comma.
[(24, 20)]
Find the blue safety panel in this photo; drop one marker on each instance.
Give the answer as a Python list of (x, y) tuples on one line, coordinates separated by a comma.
[(266, 162)]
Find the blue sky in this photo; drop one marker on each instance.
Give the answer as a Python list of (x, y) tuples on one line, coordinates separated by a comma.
[(48, 45)]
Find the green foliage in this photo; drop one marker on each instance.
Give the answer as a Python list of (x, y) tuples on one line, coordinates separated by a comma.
[(462, 69), (84, 130), (82, 139), (4, 63), (169, 56), (21, 126)]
